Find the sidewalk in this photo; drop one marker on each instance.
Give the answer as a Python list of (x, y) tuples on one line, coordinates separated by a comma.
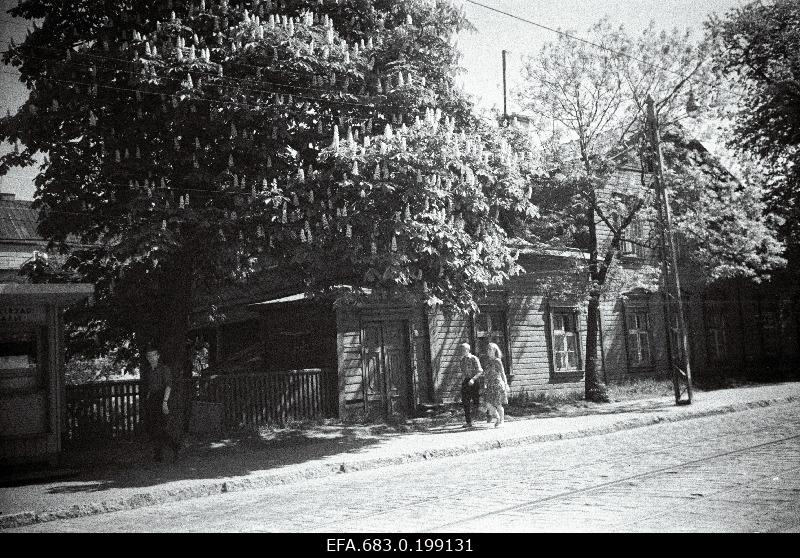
[(133, 481)]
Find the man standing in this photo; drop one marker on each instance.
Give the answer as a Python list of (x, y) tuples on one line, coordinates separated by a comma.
[(163, 421), (471, 370)]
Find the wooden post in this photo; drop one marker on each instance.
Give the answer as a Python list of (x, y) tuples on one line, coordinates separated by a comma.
[(668, 259)]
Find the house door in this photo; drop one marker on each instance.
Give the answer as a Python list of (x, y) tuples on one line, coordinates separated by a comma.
[(387, 376)]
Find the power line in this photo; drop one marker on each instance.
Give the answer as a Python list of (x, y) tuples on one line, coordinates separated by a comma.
[(573, 37), (376, 106), (508, 14), (216, 79), (586, 41), (226, 79), (222, 79), (129, 61)]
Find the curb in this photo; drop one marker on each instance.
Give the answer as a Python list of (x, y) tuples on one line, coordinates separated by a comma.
[(163, 496)]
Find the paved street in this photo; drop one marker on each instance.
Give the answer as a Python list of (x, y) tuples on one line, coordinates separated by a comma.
[(735, 472)]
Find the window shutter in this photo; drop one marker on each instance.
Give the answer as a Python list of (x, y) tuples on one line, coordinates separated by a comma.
[(548, 324)]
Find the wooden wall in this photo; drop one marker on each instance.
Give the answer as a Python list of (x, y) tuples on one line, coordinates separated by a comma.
[(527, 301), (530, 299), (526, 308), (615, 342)]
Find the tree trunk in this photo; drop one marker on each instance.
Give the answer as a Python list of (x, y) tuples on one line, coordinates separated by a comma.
[(177, 289), (173, 330), (594, 390)]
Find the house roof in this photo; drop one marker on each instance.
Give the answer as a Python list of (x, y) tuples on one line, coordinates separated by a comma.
[(45, 293), (529, 248), (299, 296), (18, 220)]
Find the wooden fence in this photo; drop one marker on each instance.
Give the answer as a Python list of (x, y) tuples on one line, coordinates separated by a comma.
[(102, 409), (254, 399), (113, 409)]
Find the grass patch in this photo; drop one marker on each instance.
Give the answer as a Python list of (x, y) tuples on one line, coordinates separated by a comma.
[(643, 388), (527, 403)]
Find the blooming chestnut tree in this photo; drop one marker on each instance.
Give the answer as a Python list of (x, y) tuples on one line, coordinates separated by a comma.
[(193, 144)]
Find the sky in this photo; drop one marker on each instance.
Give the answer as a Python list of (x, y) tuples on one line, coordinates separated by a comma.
[(482, 49)]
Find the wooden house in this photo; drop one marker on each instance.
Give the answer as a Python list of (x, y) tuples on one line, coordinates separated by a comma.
[(399, 357)]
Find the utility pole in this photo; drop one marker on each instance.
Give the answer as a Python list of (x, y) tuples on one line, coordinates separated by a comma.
[(505, 93), (681, 370)]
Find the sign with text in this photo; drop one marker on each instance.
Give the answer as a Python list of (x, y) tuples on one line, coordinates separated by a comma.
[(21, 314)]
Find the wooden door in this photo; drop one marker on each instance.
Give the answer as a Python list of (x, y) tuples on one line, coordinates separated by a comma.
[(386, 372), (373, 364)]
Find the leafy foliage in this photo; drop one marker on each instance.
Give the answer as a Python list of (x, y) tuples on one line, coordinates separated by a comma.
[(758, 49), (189, 144), (597, 181), (724, 222)]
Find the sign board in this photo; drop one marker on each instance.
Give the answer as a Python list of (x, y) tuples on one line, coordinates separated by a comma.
[(21, 314)]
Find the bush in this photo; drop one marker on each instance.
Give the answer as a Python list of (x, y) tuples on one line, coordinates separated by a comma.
[(81, 371)]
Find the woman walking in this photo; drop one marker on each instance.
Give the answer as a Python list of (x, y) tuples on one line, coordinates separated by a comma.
[(496, 394)]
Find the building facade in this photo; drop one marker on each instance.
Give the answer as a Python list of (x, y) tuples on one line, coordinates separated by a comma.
[(395, 357)]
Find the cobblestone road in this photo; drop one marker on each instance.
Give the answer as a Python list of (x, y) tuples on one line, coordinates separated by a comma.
[(734, 472)]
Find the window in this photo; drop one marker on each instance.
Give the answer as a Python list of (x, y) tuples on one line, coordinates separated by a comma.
[(672, 321), (21, 359), (566, 343), (633, 239), (14, 260), (637, 321), (771, 329), (489, 327), (717, 334)]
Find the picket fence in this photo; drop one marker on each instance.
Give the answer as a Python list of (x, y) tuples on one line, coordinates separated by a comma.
[(114, 409)]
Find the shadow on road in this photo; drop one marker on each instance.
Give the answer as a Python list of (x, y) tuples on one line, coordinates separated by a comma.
[(126, 464), (130, 464)]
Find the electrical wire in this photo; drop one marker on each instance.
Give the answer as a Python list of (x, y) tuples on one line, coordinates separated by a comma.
[(376, 106), (130, 61), (585, 41), (225, 80)]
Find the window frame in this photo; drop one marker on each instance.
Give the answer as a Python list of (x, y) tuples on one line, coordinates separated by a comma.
[(573, 312), (771, 330), (34, 376), (713, 312), (502, 329), (636, 309), (633, 245)]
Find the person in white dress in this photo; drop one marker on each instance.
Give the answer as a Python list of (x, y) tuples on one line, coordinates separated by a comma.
[(496, 393)]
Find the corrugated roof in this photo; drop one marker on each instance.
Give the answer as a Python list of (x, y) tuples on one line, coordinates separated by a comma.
[(18, 221)]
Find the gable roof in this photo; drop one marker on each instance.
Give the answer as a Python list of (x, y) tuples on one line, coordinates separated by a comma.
[(18, 220)]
